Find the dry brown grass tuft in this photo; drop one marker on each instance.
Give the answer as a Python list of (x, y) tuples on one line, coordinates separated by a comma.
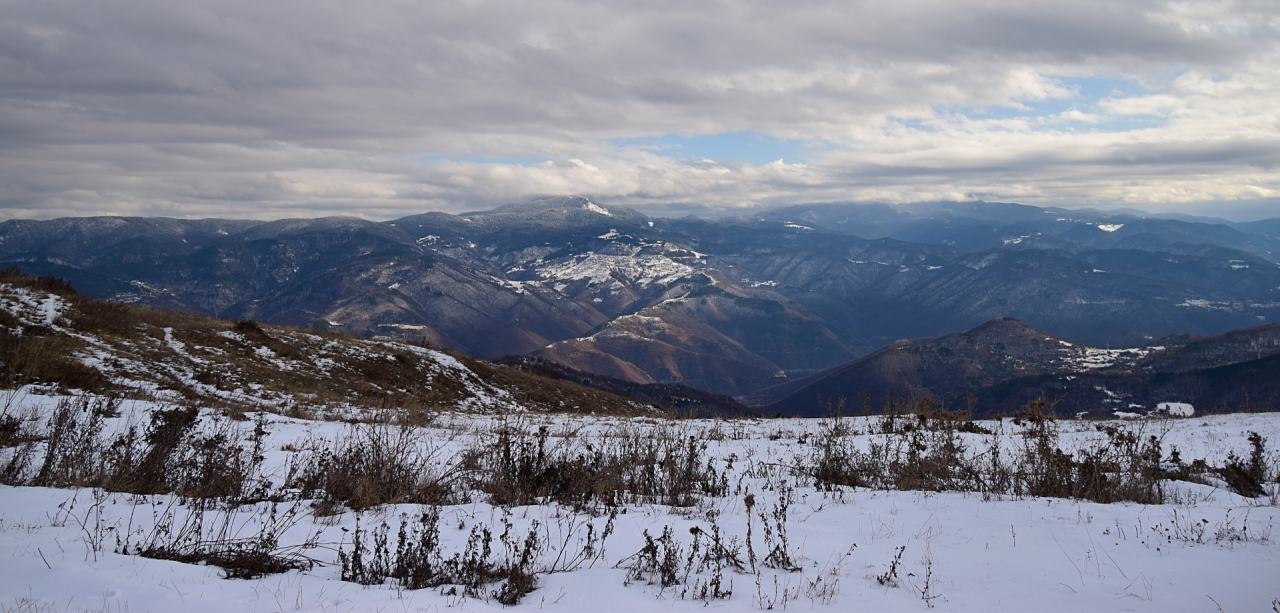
[(376, 464), (516, 465)]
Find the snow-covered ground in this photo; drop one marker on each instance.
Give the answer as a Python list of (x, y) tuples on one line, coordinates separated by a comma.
[(1207, 549)]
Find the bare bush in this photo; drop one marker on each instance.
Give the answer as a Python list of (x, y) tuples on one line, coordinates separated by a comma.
[(73, 445), (699, 570), (205, 535), (1247, 476), (1124, 467), (375, 464), (927, 451), (417, 561), (173, 455), (518, 466), (657, 562)]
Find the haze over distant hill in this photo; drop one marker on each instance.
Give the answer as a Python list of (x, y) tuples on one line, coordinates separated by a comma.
[(730, 305)]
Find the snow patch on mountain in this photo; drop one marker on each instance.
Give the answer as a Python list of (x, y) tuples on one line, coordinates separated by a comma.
[(595, 208), (1083, 359), (597, 269), (1209, 305)]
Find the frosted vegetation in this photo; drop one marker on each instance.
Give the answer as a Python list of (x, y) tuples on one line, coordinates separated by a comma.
[(132, 505)]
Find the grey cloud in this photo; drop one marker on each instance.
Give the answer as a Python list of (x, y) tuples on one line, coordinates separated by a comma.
[(289, 107)]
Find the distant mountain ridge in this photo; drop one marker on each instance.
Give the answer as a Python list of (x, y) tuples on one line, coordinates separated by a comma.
[(999, 366), (730, 305), (975, 226)]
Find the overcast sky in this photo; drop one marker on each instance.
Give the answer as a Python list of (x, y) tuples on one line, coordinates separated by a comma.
[(282, 108)]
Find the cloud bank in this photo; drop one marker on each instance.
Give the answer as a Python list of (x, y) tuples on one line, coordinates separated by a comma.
[(386, 108)]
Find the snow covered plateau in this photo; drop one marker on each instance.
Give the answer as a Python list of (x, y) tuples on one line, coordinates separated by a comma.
[(762, 533)]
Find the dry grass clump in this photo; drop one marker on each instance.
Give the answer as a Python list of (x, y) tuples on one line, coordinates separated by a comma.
[(13, 430), (1124, 467), (376, 464), (922, 450), (172, 455), (203, 535), (518, 466), (417, 560), (928, 451), (695, 572), (1246, 476), (38, 356)]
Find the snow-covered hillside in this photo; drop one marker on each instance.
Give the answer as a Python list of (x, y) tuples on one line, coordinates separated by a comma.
[(55, 336), (756, 531)]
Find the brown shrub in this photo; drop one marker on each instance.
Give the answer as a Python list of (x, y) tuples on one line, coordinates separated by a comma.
[(517, 466), (375, 464)]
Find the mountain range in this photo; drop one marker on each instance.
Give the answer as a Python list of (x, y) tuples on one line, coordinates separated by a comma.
[(733, 305), (999, 366)]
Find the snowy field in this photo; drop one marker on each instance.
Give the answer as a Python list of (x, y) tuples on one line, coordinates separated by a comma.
[(797, 545)]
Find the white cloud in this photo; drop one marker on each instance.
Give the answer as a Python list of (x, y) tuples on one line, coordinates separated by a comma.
[(304, 108)]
